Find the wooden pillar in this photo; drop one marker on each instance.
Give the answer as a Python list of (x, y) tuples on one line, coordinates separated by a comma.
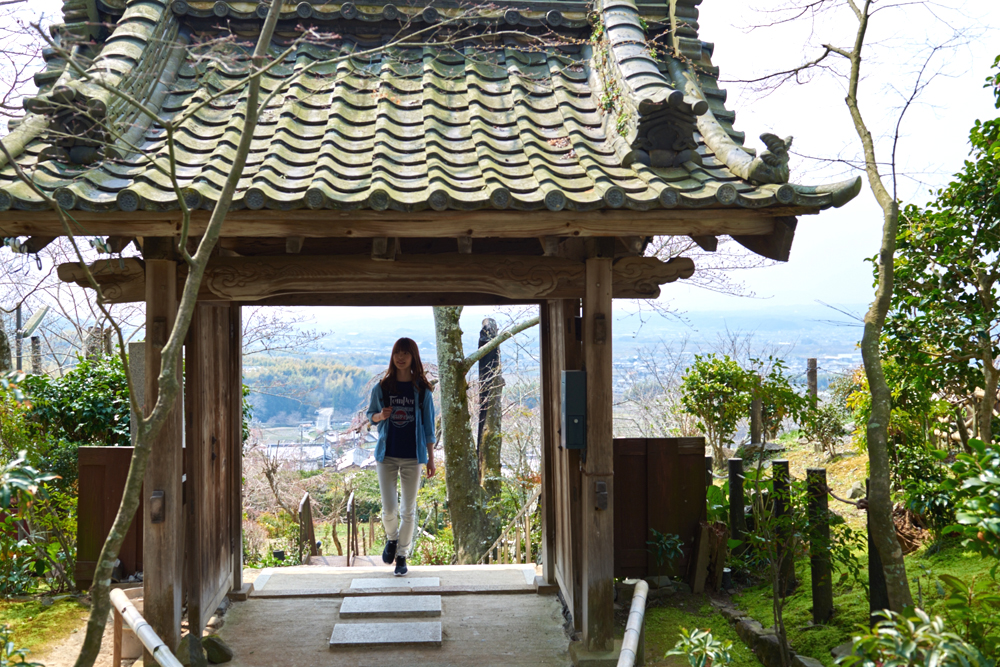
[(198, 393), (236, 441), (598, 491), (550, 442), (163, 546)]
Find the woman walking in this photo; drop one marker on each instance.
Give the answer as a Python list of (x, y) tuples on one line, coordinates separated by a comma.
[(402, 409)]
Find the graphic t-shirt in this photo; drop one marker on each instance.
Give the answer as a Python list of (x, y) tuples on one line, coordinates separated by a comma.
[(401, 434)]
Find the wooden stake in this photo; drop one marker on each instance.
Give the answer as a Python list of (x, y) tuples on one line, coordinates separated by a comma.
[(819, 546)]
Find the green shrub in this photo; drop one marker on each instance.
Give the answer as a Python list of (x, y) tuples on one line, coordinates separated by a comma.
[(917, 641), (702, 649)]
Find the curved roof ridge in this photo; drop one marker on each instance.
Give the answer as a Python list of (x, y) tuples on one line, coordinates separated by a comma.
[(655, 118), (85, 111), (771, 166)]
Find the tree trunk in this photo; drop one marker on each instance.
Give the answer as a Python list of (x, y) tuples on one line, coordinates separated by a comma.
[(879, 501), (490, 414), (466, 499)]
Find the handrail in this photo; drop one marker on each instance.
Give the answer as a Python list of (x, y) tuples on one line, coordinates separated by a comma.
[(632, 648), (143, 630), (352, 531), (513, 524)]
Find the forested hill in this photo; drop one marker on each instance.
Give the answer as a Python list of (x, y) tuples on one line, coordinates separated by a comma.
[(289, 390)]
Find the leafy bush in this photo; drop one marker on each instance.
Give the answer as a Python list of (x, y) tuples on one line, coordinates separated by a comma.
[(917, 641), (702, 649), (825, 425), (89, 405), (972, 611), (975, 487), (439, 551), (666, 548), (17, 560), (714, 391), (10, 656)]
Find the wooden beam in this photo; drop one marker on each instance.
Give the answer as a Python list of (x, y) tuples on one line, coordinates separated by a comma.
[(163, 534), (426, 224), (777, 245), (706, 243), (293, 244), (525, 278), (598, 472)]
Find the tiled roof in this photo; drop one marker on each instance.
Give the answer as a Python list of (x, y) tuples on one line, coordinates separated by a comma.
[(530, 114)]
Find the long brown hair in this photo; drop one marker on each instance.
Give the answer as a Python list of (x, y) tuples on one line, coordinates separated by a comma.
[(417, 367)]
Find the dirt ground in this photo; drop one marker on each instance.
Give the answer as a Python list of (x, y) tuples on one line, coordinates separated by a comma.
[(64, 653)]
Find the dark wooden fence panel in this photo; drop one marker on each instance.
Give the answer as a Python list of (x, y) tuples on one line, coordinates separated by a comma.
[(103, 471), (659, 483), (630, 507)]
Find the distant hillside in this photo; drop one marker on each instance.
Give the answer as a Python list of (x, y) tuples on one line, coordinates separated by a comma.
[(289, 390)]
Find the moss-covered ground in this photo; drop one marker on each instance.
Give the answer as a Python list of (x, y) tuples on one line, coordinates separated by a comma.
[(850, 602), (666, 616), (36, 624)]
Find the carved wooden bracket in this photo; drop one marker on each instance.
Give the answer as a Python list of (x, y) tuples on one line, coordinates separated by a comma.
[(526, 278)]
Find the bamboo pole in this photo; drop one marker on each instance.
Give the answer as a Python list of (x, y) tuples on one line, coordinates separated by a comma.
[(143, 630)]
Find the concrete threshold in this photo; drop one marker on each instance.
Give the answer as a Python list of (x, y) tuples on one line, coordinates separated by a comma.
[(416, 590)]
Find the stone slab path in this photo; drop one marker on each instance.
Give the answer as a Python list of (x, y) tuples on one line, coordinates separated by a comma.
[(396, 634), (385, 606)]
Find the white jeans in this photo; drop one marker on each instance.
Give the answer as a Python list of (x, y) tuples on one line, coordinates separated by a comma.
[(399, 519)]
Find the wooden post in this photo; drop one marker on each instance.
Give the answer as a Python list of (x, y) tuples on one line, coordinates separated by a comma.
[(36, 355), (878, 598), (737, 518), (550, 443), (784, 552), (598, 480), (236, 442), (709, 480), (811, 379), (163, 525), (756, 422), (819, 546)]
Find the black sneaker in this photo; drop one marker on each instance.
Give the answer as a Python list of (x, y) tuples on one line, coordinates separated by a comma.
[(400, 566), (389, 552)]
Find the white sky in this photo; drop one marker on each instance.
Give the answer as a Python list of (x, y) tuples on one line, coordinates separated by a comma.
[(827, 258)]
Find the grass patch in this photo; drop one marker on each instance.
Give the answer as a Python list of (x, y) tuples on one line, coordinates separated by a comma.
[(850, 604), (36, 626), (664, 623)]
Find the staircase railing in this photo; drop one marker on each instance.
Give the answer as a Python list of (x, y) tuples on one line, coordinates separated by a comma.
[(514, 543), (352, 531), (307, 531)]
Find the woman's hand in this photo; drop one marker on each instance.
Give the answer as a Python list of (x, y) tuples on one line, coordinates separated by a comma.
[(383, 415), (431, 469)]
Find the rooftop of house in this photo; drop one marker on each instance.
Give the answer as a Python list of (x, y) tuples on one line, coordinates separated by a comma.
[(404, 106)]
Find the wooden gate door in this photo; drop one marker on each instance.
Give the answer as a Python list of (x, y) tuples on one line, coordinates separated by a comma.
[(102, 474), (212, 442), (659, 484)]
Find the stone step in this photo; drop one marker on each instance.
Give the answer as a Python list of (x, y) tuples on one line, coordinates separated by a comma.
[(396, 633), (387, 606), (394, 582)]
